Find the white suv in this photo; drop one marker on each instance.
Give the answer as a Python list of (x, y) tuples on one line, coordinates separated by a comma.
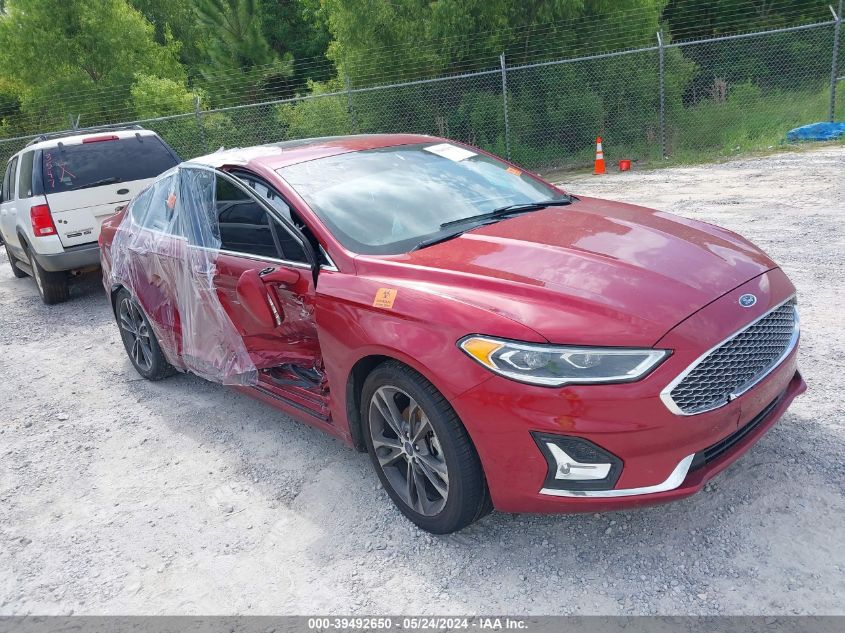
[(59, 189)]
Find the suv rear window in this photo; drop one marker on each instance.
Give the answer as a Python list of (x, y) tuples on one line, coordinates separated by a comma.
[(86, 165)]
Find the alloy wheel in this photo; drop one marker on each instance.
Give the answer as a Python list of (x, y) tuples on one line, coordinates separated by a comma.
[(408, 450), (137, 333)]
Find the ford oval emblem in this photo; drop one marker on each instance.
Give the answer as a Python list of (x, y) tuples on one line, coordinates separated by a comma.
[(746, 301)]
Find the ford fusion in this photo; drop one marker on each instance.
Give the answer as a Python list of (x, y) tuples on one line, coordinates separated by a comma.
[(491, 340)]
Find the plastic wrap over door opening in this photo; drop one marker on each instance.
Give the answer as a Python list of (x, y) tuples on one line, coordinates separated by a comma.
[(165, 252)]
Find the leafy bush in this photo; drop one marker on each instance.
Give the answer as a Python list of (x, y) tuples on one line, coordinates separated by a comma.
[(316, 115), (155, 97)]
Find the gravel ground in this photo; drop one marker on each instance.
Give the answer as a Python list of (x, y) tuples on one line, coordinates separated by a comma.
[(120, 496)]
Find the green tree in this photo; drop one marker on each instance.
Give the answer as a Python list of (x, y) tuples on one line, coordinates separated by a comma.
[(233, 40), (688, 19), (88, 51), (299, 28), (405, 39), (233, 34), (174, 20)]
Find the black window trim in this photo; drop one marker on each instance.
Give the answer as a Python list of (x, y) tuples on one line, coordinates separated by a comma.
[(37, 173), (311, 264)]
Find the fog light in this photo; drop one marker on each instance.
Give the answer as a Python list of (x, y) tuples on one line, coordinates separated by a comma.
[(577, 464), (571, 469)]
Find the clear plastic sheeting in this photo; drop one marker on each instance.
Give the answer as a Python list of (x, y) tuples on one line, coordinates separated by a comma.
[(165, 254)]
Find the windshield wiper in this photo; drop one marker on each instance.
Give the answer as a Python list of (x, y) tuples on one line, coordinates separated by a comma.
[(437, 239), (521, 207), (97, 183), (489, 217)]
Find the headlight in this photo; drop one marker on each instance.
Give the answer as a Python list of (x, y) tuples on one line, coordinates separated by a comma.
[(555, 365)]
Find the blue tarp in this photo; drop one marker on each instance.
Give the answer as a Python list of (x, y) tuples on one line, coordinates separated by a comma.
[(816, 132)]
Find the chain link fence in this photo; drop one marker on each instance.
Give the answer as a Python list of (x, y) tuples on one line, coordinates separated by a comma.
[(684, 100)]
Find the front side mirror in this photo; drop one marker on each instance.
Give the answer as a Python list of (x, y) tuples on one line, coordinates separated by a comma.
[(253, 296)]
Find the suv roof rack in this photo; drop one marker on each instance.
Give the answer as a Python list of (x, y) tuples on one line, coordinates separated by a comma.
[(88, 130)]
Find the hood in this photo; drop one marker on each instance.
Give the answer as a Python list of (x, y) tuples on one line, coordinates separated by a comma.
[(593, 273)]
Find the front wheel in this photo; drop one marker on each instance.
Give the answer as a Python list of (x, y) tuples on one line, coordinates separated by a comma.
[(421, 451)]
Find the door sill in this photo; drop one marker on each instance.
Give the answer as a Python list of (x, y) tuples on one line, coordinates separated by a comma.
[(298, 397)]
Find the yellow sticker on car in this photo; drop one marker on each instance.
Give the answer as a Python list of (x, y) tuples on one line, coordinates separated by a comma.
[(385, 297)]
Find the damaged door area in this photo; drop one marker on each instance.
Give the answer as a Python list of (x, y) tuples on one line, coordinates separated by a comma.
[(239, 283)]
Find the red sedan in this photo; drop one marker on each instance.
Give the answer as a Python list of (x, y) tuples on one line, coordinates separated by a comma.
[(489, 339)]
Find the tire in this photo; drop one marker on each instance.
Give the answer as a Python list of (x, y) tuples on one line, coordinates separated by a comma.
[(17, 272), (52, 286), (139, 340), (427, 439)]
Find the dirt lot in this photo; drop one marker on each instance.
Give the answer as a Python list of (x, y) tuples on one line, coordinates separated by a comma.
[(120, 496)]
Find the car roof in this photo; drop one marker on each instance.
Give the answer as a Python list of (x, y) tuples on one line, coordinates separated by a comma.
[(76, 139), (277, 155)]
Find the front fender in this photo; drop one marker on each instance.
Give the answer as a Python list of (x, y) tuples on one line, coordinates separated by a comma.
[(419, 328)]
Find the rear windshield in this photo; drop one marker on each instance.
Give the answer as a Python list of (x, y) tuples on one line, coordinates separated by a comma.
[(104, 162)]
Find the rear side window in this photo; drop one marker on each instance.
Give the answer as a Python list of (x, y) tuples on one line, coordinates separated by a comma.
[(70, 167), (25, 180), (6, 180), (9, 190)]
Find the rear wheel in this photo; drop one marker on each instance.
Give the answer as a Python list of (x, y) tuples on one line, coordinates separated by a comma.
[(421, 451), (52, 286), (139, 340), (17, 272)]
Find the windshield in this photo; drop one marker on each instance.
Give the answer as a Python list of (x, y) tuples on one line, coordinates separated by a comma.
[(86, 165), (389, 200)]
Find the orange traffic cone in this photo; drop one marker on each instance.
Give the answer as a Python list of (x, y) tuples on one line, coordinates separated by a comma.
[(599, 168)]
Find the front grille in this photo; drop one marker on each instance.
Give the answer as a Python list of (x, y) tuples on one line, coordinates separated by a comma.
[(738, 363)]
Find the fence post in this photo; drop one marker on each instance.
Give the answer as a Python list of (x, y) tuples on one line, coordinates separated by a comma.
[(505, 105), (834, 66), (350, 109), (200, 127), (662, 88)]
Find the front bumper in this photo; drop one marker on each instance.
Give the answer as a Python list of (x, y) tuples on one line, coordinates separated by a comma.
[(665, 456)]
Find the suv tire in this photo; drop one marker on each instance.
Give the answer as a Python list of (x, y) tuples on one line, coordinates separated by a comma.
[(139, 339), (17, 272), (52, 286), (445, 447)]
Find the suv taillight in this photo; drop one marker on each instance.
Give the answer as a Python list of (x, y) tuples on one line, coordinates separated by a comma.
[(42, 221)]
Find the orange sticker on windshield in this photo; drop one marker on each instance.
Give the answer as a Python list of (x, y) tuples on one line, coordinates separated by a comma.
[(514, 171), (385, 298)]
